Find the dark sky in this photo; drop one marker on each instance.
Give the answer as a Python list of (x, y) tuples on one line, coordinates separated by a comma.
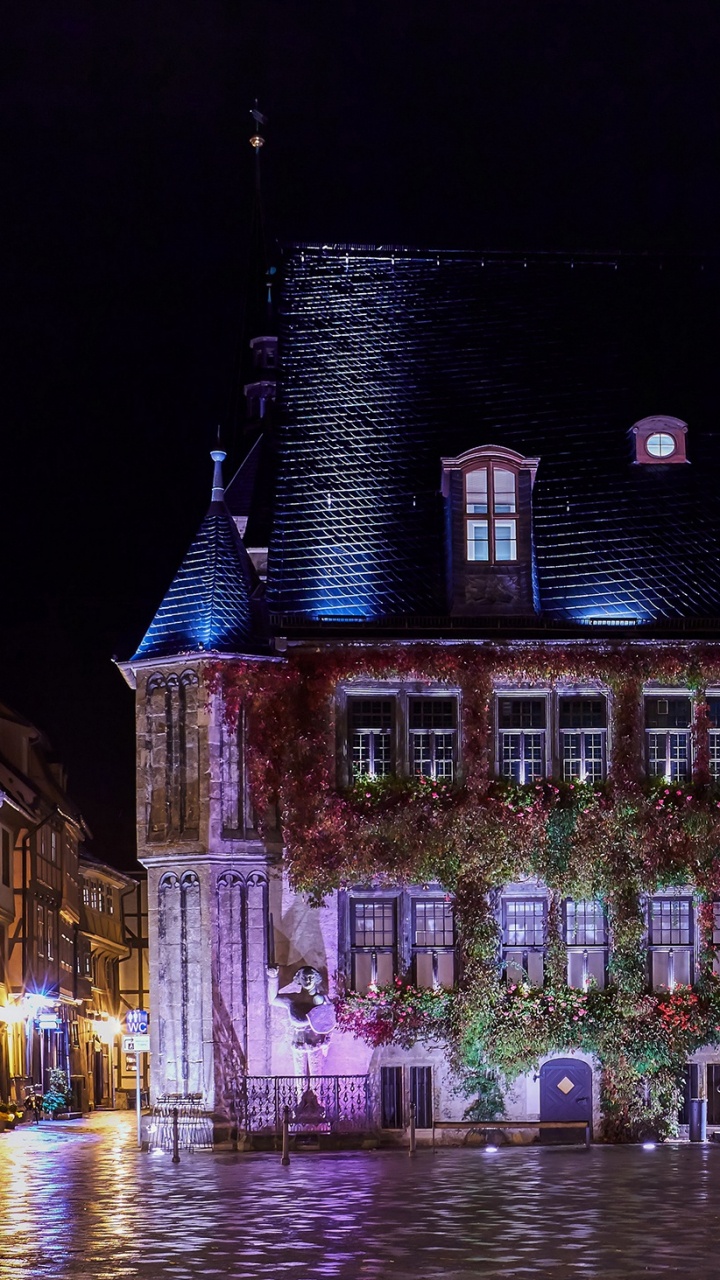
[(124, 221)]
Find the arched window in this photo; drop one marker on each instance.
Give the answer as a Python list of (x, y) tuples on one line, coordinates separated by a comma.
[(491, 509)]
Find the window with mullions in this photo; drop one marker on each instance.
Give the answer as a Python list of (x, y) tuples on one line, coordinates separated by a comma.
[(373, 932), (714, 736), (586, 941), (491, 492), (670, 941), (524, 935), (433, 737), (522, 738), (433, 943), (667, 725), (716, 936), (583, 723), (371, 735)]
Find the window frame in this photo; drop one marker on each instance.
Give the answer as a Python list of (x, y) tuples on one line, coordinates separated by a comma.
[(585, 948), (583, 732), (388, 735), (526, 949), (521, 734), (683, 733), (373, 949), (671, 948), (433, 734), (436, 950), (492, 517)]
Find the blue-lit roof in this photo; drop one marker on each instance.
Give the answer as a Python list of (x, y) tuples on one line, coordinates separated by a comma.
[(209, 605), (393, 359)]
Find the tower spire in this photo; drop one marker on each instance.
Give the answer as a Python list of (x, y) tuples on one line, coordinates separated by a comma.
[(218, 456)]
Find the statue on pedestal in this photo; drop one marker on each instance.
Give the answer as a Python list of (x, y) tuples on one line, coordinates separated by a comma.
[(311, 1016)]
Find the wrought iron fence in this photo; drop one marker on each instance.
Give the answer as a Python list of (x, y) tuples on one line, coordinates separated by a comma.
[(194, 1126), (318, 1104)]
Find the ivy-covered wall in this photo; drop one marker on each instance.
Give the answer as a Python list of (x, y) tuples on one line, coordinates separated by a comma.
[(618, 842)]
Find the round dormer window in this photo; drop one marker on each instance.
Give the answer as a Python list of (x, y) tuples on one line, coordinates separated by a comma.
[(660, 444)]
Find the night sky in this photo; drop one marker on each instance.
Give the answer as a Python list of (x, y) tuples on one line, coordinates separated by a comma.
[(127, 192)]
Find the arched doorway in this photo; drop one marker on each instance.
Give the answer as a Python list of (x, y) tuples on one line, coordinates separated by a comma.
[(565, 1094)]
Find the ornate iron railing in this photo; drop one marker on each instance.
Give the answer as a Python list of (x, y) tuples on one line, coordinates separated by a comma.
[(194, 1126), (317, 1104)]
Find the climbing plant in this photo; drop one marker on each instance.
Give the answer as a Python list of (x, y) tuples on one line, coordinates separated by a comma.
[(617, 841)]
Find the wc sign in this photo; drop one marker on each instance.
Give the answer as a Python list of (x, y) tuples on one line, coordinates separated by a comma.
[(136, 1022)]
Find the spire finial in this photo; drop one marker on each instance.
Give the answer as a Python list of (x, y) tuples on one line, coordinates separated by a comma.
[(257, 141), (218, 456)]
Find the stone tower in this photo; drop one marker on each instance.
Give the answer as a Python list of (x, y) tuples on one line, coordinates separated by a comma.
[(208, 870)]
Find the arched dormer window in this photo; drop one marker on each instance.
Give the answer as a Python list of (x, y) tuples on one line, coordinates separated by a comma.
[(491, 507), (488, 493), (659, 439)]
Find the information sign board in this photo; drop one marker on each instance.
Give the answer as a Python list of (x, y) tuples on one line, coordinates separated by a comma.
[(136, 1044)]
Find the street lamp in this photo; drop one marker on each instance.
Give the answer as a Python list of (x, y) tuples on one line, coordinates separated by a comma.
[(108, 1031)]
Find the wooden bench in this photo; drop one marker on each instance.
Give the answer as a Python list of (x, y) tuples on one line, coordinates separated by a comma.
[(484, 1125)]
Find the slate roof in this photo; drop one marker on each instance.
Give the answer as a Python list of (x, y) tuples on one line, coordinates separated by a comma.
[(210, 605), (252, 489), (392, 359)]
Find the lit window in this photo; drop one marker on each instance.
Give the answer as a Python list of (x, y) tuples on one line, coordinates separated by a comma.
[(582, 739), (667, 724), (432, 737), (522, 738), (40, 929), (371, 730), (586, 941), (670, 941), (660, 444), (433, 941), (53, 846), (373, 933), (714, 743), (495, 538), (524, 939)]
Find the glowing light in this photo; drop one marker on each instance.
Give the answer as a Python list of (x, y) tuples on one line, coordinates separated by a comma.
[(108, 1029), (11, 1013), (648, 1146), (491, 1148)]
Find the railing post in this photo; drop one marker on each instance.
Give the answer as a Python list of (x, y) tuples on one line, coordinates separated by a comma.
[(176, 1136), (285, 1136), (412, 1129)]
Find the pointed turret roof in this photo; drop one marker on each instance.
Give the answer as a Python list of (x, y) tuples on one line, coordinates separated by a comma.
[(213, 604)]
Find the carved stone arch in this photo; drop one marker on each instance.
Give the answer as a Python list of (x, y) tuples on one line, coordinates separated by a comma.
[(230, 995), (172, 681), (168, 880), (228, 878), (188, 755), (189, 878), (158, 713), (257, 877)]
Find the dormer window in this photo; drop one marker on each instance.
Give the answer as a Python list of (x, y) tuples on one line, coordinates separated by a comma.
[(492, 492), (488, 493), (659, 440)]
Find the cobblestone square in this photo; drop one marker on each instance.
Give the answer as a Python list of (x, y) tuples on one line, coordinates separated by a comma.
[(79, 1200)]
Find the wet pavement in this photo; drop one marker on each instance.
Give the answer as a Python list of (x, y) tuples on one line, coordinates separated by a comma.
[(79, 1200)]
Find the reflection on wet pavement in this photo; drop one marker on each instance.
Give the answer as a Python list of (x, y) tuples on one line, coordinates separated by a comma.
[(81, 1201)]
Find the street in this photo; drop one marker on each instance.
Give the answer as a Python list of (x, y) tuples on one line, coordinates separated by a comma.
[(79, 1200)]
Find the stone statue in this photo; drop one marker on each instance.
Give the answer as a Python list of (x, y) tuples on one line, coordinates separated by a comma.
[(311, 1016)]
